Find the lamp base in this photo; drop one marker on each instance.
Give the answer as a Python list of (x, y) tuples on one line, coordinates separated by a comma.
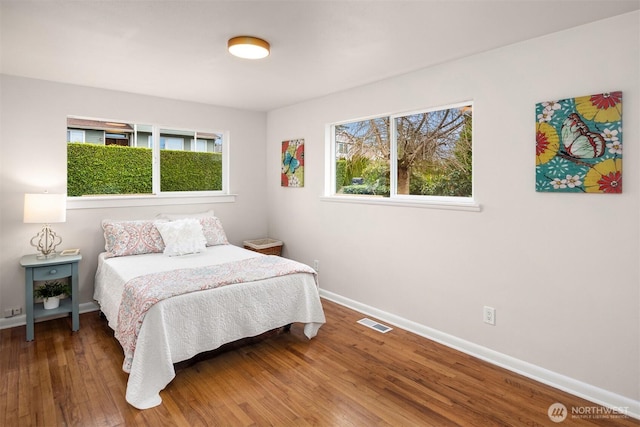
[(45, 242), (46, 256)]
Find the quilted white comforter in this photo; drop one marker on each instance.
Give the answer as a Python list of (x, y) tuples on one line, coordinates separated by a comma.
[(180, 327)]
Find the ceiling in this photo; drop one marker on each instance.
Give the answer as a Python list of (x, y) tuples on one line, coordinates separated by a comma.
[(177, 49)]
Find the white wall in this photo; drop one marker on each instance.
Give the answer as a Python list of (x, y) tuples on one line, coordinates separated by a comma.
[(562, 270), (33, 158)]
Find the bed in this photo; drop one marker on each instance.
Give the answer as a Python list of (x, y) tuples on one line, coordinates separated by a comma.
[(230, 293)]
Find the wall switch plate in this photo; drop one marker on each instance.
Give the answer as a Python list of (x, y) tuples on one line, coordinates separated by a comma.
[(316, 265)]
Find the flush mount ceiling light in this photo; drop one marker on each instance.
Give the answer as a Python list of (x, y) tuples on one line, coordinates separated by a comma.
[(248, 47)]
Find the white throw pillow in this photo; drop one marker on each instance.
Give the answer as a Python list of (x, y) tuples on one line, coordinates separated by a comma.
[(211, 226), (181, 237)]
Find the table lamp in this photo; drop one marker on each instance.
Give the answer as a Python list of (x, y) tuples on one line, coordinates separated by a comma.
[(45, 208)]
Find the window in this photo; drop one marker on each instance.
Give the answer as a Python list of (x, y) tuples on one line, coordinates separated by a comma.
[(171, 143), (117, 139), (75, 135), (207, 142), (142, 159), (199, 145), (185, 168), (421, 156)]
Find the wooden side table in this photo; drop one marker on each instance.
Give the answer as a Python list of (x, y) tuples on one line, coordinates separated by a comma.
[(51, 269)]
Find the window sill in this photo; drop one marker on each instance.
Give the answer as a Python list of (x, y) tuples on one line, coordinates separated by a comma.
[(470, 206), (97, 202)]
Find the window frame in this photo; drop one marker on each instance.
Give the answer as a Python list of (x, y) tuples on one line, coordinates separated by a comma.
[(158, 197), (395, 199)]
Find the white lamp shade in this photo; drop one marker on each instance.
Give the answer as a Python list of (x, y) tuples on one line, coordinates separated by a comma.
[(45, 208)]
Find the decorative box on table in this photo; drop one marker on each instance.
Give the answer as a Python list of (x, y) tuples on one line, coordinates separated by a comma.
[(265, 246)]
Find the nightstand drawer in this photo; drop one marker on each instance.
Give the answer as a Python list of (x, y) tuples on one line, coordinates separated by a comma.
[(52, 272)]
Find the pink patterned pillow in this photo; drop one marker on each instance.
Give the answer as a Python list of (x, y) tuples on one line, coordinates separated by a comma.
[(124, 238), (213, 231)]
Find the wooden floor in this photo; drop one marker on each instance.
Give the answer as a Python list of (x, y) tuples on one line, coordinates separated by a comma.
[(348, 375)]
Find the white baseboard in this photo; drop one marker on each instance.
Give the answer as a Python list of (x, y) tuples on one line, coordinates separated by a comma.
[(12, 322), (577, 388)]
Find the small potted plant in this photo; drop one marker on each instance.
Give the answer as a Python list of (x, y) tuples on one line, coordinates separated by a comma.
[(50, 293)]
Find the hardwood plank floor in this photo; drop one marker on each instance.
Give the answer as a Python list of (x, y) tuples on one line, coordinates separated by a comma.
[(349, 375)]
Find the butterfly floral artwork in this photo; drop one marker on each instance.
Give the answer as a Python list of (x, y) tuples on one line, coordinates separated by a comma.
[(579, 144), (292, 163)]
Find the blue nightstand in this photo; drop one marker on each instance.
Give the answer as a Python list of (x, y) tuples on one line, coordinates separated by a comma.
[(51, 269)]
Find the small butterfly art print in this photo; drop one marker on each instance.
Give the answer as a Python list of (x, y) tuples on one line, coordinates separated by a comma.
[(292, 163), (579, 144)]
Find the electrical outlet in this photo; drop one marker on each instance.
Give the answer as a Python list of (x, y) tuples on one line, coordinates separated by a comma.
[(489, 315), (10, 312), (316, 265)]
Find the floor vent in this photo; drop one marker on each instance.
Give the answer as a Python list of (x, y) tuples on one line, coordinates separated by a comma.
[(374, 325)]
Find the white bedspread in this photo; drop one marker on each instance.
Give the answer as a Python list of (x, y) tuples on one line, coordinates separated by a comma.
[(183, 326)]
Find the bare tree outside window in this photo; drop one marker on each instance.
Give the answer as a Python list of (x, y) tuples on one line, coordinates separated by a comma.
[(433, 154), (364, 156)]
